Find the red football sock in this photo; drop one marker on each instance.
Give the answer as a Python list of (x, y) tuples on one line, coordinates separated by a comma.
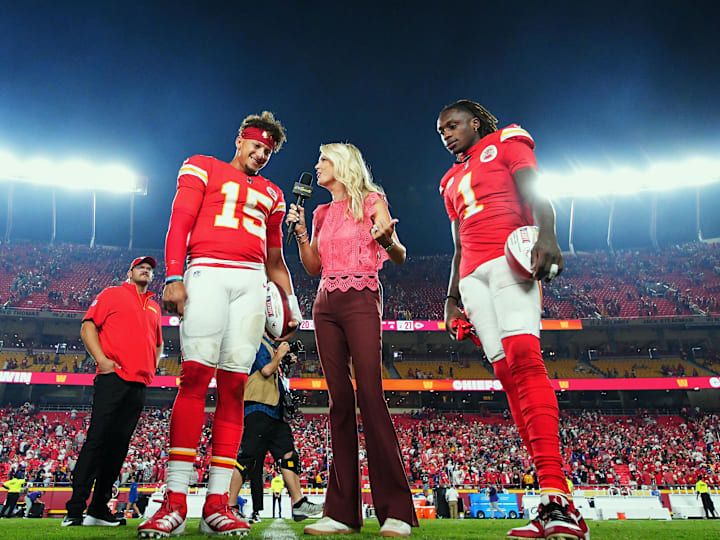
[(228, 425), (188, 413), (503, 374), (539, 408)]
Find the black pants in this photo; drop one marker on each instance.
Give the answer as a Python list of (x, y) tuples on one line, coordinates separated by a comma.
[(256, 484), (708, 505), (10, 502), (117, 405), (277, 498), (262, 434)]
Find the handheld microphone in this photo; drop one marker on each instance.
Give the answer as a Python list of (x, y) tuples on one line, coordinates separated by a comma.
[(303, 189)]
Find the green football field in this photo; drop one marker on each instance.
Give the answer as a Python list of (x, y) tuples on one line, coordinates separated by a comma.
[(28, 529)]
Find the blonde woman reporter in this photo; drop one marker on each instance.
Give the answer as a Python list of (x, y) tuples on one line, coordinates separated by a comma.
[(352, 237)]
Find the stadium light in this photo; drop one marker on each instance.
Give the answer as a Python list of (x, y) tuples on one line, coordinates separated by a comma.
[(71, 174), (589, 182)]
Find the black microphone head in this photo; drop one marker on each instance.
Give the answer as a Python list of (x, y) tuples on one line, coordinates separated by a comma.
[(303, 187)]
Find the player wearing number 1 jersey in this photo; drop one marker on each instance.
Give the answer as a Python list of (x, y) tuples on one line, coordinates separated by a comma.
[(490, 191), (223, 243)]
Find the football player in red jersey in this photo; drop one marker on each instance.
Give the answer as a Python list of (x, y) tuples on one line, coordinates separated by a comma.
[(490, 191), (227, 222)]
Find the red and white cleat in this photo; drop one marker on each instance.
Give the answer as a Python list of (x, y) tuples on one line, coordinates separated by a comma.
[(579, 521), (559, 524), (169, 520), (557, 519), (534, 529), (219, 518)]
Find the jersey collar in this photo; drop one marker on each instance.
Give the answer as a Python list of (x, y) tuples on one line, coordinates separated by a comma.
[(475, 148)]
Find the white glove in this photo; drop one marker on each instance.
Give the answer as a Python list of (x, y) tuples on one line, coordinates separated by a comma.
[(295, 309)]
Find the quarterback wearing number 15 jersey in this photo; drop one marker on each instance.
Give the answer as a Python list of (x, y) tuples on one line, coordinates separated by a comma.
[(480, 188), (233, 217)]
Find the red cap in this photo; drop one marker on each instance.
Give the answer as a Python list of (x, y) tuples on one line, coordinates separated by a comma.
[(139, 260), (260, 135)]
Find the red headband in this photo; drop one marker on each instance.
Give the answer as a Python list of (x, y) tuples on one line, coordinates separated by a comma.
[(260, 135)]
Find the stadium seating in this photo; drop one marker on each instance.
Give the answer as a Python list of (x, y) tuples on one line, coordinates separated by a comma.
[(675, 281), (620, 367), (429, 369), (562, 368)]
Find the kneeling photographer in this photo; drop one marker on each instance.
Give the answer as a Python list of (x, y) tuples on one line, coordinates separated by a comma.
[(269, 407)]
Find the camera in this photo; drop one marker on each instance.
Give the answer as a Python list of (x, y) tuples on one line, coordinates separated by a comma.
[(297, 347), (290, 404)]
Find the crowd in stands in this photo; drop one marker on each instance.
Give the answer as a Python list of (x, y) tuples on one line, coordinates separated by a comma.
[(64, 277), (674, 281), (463, 449), (679, 280)]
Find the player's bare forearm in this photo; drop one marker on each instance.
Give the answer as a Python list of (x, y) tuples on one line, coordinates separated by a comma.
[(546, 251), (277, 270), (526, 180), (452, 311), (453, 290), (544, 216), (454, 283)]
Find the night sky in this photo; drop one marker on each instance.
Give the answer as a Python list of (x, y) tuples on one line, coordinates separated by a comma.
[(149, 84)]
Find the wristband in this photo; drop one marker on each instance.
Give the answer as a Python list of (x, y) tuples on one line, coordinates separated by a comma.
[(298, 236), (454, 297), (389, 246), (302, 242), (173, 279)]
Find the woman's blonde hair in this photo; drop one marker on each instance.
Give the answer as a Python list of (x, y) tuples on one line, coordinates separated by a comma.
[(353, 173)]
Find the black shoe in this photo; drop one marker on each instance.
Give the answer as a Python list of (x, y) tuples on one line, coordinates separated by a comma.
[(71, 521), (254, 518), (102, 518)]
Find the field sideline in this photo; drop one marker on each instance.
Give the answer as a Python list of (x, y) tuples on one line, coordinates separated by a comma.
[(31, 529)]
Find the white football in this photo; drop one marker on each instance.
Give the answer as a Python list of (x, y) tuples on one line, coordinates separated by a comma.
[(277, 310), (518, 250)]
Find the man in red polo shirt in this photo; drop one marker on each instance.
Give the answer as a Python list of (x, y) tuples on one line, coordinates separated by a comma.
[(123, 333)]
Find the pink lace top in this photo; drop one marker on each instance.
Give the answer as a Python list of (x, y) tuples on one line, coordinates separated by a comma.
[(350, 256)]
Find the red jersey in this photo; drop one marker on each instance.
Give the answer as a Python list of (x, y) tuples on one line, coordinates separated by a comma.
[(230, 217), (129, 329), (480, 192)]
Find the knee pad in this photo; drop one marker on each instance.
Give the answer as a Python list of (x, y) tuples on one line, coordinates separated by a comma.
[(292, 463)]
